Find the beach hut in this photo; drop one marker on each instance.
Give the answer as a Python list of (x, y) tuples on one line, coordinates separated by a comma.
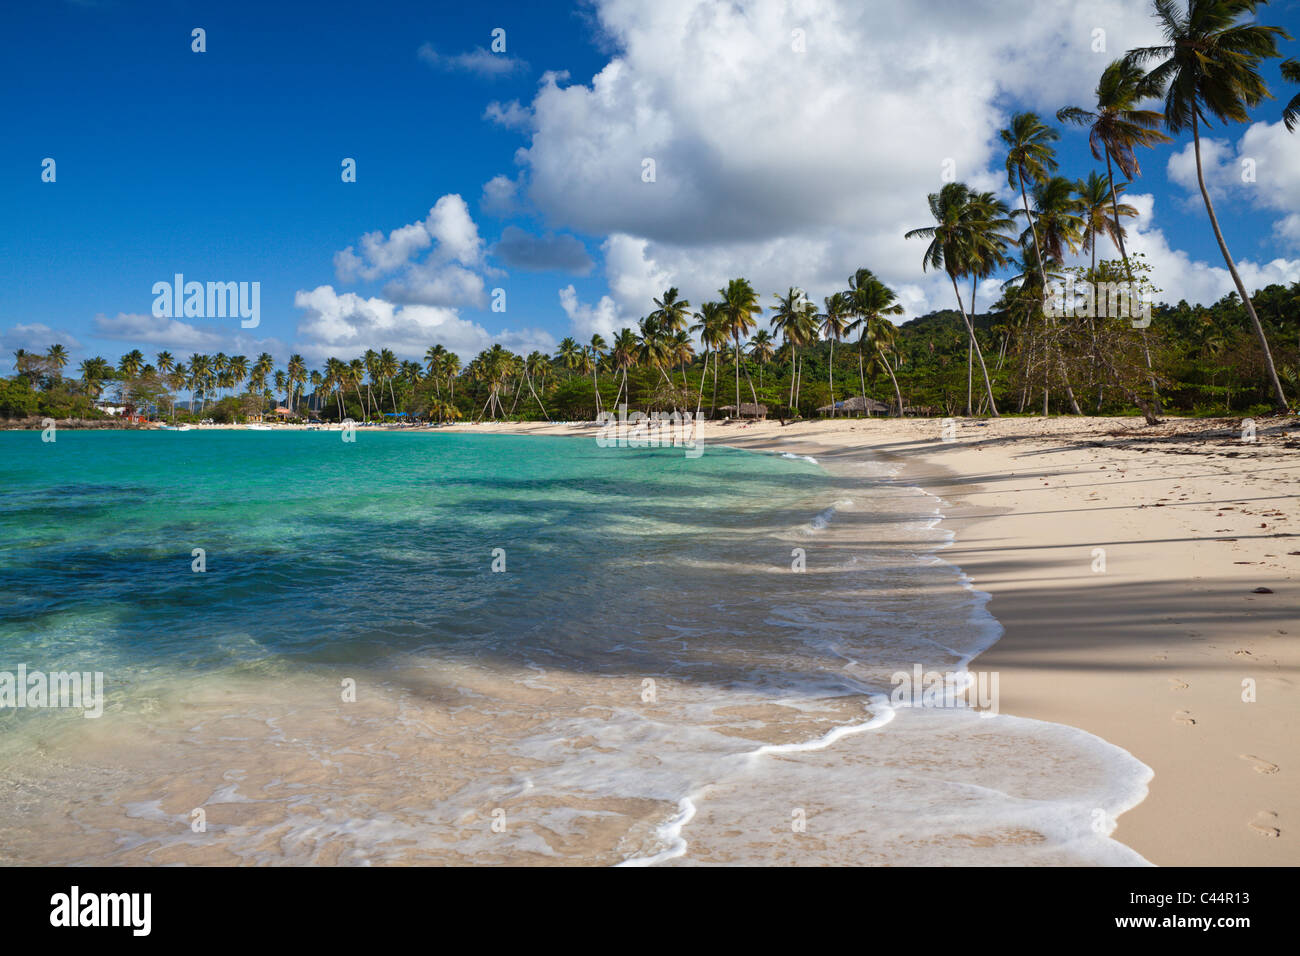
[(281, 412), (747, 410), (856, 406)]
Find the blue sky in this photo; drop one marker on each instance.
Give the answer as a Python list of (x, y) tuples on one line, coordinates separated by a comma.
[(225, 165)]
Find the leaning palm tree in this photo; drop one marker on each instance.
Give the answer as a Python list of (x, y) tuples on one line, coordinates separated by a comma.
[(1291, 115), (711, 328), (834, 322), (960, 229), (761, 349), (536, 366), (1098, 207), (1030, 159), (739, 307), (1116, 127), (1208, 67), (787, 318), (623, 356), (598, 347), (871, 300)]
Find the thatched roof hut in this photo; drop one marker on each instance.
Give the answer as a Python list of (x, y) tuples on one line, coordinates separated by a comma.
[(747, 410), (856, 406)]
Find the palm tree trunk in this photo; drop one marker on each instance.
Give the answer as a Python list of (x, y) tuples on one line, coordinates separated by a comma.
[(736, 356), (539, 401), (970, 329), (897, 394), (1128, 269), (862, 380), (832, 377), (1278, 394)]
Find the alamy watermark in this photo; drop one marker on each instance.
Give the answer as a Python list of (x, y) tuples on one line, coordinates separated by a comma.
[(214, 300), (948, 689), (653, 430), (61, 689), (1085, 300)]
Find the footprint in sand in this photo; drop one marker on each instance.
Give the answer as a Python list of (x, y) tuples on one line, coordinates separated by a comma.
[(1178, 683), (1260, 764), (1185, 718), (1263, 824), (1159, 657)]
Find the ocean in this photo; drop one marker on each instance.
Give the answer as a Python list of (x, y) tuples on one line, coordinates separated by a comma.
[(427, 648)]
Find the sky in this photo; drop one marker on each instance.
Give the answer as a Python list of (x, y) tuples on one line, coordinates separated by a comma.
[(528, 171)]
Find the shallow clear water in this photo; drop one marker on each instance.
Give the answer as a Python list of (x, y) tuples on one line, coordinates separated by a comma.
[(648, 680)]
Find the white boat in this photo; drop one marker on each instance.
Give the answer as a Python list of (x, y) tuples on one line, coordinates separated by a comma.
[(174, 428), (258, 428)]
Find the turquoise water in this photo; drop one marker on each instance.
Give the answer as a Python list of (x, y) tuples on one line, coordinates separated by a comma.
[(679, 654)]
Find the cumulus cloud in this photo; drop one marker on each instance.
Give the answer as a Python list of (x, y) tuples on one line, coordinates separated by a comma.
[(588, 320), (478, 61), (510, 115), (141, 329), (36, 337), (1182, 278), (346, 324), (1260, 171), (787, 166), (499, 196), (522, 250)]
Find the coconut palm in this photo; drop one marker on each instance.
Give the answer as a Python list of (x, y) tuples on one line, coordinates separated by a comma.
[(57, 357), (356, 371), (568, 352), (834, 322), (961, 227), (1291, 115), (622, 356), (671, 312), (870, 300), (1207, 68), (791, 318), (433, 362), (598, 348), (761, 349), (536, 366), (739, 307), (1100, 210), (1030, 159), (1116, 128), (711, 328)]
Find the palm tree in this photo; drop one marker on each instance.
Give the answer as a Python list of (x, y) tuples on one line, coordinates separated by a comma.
[(622, 355), (1116, 128), (712, 331), (871, 300), (356, 371), (761, 349), (834, 323), (670, 312), (1100, 209), (57, 356), (388, 367), (536, 365), (789, 318), (433, 362), (961, 228), (598, 349), (1029, 157), (1291, 115), (568, 352), (1209, 68), (739, 307)]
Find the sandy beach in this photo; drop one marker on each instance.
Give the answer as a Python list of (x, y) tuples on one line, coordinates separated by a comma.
[(1161, 641)]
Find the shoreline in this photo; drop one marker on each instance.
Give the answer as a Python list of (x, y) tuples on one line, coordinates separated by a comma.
[(1148, 650)]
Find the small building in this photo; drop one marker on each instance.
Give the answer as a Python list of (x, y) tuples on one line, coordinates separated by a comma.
[(282, 412), (856, 406), (747, 410)]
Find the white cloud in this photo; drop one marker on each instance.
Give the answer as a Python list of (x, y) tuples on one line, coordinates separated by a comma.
[(499, 196), (510, 115), (1261, 171), (347, 324), (380, 256), (478, 61), (793, 167), (141, 329), (1179, 277), (587, 320)]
